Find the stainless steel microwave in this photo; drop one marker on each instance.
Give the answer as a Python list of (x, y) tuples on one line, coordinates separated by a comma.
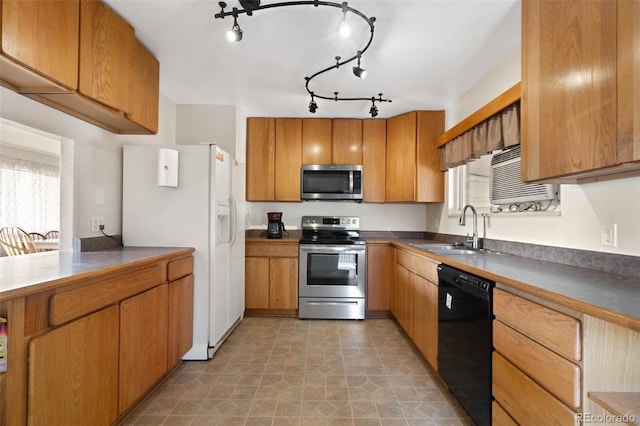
[(331, 182)]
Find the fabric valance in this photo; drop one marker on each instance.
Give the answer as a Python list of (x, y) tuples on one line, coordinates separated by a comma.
[(499, 131)]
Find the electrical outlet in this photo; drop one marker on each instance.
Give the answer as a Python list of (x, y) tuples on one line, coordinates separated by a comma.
[(609, 234), (96, 222)]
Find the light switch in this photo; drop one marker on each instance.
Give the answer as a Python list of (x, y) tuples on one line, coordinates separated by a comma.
[(100, 197)]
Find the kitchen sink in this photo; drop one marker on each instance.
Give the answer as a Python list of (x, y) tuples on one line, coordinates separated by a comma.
[(450, 249), (435, 246)]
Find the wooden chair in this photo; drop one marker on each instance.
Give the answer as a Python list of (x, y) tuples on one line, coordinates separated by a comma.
[(15, 241), (36, 236), (52, 235)]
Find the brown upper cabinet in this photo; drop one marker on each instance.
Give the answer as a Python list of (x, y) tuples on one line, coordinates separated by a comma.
[(288, 159), (331, 141), (412, 164), (316, 140), (274, 159), (580, 89), (347, 141), (374, 154), (399, 158), (40, 46), (261, 156), (80, 57)]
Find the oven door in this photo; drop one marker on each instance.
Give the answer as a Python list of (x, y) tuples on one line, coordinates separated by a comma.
[(332, 270)]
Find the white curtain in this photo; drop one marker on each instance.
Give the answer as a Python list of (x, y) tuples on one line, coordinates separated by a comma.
[(29, 195)]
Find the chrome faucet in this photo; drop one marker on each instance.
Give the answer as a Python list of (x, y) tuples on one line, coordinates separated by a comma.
[(462, 222)]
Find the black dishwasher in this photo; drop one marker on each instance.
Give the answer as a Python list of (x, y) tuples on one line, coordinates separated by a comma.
[(465, 339)]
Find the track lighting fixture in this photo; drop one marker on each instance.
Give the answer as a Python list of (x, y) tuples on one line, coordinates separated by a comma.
[(250, 6), (313, 106), (357, 71)]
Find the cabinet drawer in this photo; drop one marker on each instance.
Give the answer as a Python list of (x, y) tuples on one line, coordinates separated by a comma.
[(421, 266), (524, 400), (179, 268), (271, 250), (557, 374), (499, 417), (554, 329), (81, 301), (426, 268), (405, 259)]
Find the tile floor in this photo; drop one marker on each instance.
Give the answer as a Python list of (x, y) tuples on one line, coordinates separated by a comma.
[(286, 371)]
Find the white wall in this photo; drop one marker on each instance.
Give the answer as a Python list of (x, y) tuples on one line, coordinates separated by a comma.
[(583, 207), (207, 123), (373, 217), (97, 156)]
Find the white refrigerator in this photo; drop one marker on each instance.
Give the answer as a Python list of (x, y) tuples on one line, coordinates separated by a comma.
[(205, 209)]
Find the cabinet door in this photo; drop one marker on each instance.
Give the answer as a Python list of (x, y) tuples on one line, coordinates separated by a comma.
[(288, 159), (426, 319), (569, 86), (256, 285), (347, 141), (404, 302), (73, 372), (144, 91), (143, 343), (316, 141), (261, 151), (374, 154), (380, 273), (283, 280), (429, 178), (43, 35), (628, 81), (106, 48), (401, 158), (180, 337)]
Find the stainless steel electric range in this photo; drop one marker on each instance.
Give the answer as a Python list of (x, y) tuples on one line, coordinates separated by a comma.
[(332, 268)]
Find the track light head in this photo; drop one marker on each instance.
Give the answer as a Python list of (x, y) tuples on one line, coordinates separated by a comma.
[(235, 33), (344, 29), (374, 110), (313, 106), (357, 70)]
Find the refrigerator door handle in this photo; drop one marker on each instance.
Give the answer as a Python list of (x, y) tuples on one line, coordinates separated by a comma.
[(233, 219)]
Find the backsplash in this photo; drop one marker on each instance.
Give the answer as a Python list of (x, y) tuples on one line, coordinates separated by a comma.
[(97, 243), (625, 265), (628, 266)]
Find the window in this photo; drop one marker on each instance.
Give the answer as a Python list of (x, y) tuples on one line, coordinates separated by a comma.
[(29, 193)]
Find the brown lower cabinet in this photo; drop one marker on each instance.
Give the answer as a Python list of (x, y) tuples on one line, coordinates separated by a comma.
[(271, 278), (143, 343), (537, 363), (414, 302), (73, 372), (381, 265), (85, 352)]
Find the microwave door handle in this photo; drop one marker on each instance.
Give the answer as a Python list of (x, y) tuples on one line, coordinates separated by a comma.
[(351, 182)]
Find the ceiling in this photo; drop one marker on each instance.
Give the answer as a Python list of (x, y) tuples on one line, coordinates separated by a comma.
[(424, 54)]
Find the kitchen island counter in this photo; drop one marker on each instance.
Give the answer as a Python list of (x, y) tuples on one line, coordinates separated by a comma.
[(29, 274)]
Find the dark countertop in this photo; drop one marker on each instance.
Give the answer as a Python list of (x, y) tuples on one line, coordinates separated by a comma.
[(28, 274), (611, 297), (607, 296)]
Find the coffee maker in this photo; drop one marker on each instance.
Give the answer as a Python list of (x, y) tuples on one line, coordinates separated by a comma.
[(275, 227)]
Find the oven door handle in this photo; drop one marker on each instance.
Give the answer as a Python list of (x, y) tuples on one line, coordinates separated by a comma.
[(322, 248), (334, 302)]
